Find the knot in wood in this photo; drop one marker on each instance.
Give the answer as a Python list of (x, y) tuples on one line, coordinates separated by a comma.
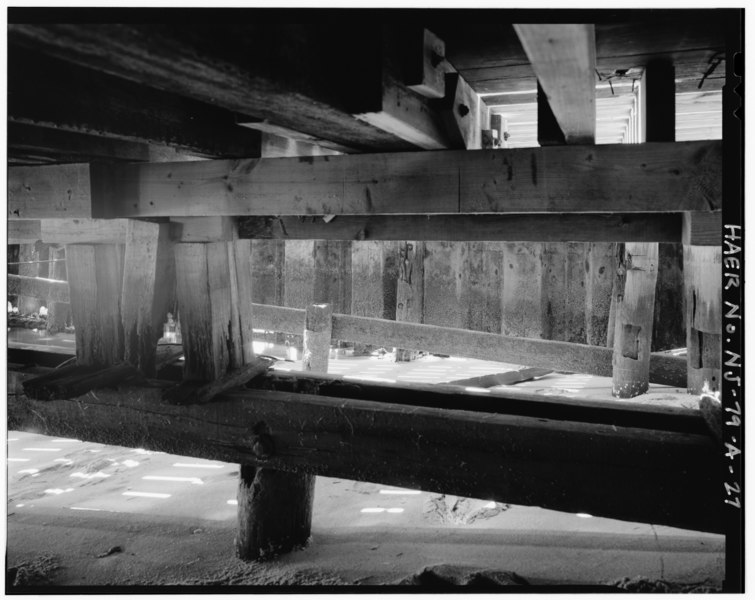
[(263, 446)]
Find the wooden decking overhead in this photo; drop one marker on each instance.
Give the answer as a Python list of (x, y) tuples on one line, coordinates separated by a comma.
[(175, 88)]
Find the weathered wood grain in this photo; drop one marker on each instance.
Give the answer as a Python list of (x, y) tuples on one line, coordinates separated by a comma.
[(623, 227), (84, 231), (49, 192), (95, 279), (702, 228), (563, 58), (148, 295), (653, 177), (620, 472), (634, 322), (26, 231)]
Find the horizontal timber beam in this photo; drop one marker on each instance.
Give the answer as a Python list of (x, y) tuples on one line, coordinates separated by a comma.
[(449, 228), (113, 109), (621, 178), (562, 356), (636, 474), (240, 67)]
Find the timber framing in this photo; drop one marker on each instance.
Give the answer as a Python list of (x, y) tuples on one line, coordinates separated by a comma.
[(659, 177), (510, 458)]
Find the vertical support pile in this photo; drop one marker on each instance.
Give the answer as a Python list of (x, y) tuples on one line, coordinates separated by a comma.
[(633, 332), (702, 289), (95, 278), (634, 322), (148, 291)]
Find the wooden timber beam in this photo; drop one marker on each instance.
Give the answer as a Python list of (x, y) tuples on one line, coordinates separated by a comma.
[(114, 109), (563, 58), (563, 356), (241, 67), (24, 231), (622, 178), (30, 144), (645, 475)]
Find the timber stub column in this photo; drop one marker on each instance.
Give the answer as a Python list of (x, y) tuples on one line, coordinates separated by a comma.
[(213, 289)]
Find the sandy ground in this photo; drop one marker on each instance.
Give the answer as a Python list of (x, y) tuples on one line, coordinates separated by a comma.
[(83, 514)]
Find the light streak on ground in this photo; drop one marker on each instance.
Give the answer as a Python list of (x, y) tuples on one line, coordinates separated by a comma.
[(146, 494), (41, 449), (194, 480)]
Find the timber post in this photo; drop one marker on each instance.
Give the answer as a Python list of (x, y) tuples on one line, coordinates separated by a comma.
[(633, 330), (148, 291), (95, 279), (275, 507), (703, 300)]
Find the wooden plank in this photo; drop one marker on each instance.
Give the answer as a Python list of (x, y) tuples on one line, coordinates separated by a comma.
[(27, 231), (268, 262), (483, 286), (668, 327), (242, 68), (84, 231), (444, 270), (410, 294), (634, 322), (659, 177), (241, 266), (49, 192), (149, 293), (522, 296), (95, 279), (563, 58), (458, 228), (600, 269), (203, 229), (317, 333), (373, 279), (509, 400), (704, 316), (38, 287), (596, 467), (702, 228), (299, 280), (332, 276)]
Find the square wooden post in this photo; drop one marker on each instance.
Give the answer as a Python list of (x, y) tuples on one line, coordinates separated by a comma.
[(633, 331), (703, 296), (95, 278), (148, 291)]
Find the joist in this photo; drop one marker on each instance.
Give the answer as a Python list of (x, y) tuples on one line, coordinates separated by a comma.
[(563, 465), (473, 228), (242, 68), (622, 178), (110, 113), (563, 58)]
